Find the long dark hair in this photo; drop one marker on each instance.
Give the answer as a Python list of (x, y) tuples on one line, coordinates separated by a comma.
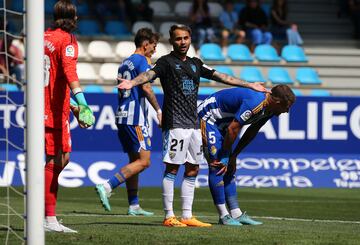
[(65, 16)]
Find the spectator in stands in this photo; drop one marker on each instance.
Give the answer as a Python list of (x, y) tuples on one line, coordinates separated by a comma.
[(229, 20), (254, 20), (144, 12), (281, 27), (354, 7), (12, 63), (201, 23)]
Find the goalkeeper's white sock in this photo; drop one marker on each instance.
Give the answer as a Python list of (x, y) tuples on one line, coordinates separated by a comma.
[(51, 219), (168, 194)]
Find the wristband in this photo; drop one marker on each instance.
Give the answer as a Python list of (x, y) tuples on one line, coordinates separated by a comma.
[(80, 98), (159, 111), (76, 90), (73, 102)]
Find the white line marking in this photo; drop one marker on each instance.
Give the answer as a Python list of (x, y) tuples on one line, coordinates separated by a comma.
[(212, 216)]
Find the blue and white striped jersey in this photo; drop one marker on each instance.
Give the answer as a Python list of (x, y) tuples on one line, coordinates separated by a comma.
[(132, 109), (244, 105)]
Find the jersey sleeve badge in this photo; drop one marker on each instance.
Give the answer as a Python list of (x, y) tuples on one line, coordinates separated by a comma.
[(70, 51), (246, 115)]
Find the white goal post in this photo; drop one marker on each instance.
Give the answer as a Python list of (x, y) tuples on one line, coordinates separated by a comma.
[(35, 122)]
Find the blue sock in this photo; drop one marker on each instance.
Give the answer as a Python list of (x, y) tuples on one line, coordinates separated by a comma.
[(116, 180), (230, 191), (133, 198), (216, 185)]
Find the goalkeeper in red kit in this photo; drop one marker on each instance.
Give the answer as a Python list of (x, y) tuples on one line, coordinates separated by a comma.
[(60, 58)]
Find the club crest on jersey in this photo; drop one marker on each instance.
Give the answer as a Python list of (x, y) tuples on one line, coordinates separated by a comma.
[(213, 150), (246, 115), (177, 67), (193, 67), (188, 86), (172, 155), (70, 51)]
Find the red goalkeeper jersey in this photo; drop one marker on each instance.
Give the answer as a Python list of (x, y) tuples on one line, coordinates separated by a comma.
[(61, 53)]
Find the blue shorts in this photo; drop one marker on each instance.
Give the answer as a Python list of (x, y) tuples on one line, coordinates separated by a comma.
[(134, 138), (213, 140)]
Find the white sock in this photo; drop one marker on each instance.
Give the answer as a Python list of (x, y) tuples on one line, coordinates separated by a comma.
[(187, 196), (134, 206), (221, 208), (107, 187), (236, 213), (168, 194), (51, 219)]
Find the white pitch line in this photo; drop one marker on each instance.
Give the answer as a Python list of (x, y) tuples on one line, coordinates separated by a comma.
[(213, 216)]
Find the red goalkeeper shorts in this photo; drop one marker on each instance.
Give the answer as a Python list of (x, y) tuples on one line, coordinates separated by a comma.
[(57, 139)]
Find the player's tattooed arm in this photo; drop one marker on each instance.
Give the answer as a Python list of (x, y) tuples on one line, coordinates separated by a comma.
[(233, 81), (140, 79), (149, 94)]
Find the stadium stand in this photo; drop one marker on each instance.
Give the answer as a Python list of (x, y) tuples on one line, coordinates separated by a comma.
[(93, 88), (239, 52), (161, 8), (9, 87), (100, 50), (211, 52), (165, 27), (116, 28), (215, 9), (279, 75), (108, 72), (142, 24), (266, 52), (182, 8), (86, 72), (124, 49), (319, 92), (307, 75), (293, 53), (88, 27), (251, 74)]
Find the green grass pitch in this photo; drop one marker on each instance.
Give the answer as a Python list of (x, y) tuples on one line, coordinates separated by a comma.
[(290, 216)]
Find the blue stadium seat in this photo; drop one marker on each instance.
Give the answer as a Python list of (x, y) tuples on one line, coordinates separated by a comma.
[(88, 27), (320, 92), (225, 69), (251, 74), (266, 52), (9, 87), (82, 8), (211, 52), (206, 90), (293, 53), (93, 89), (239, 52), (279, 75), (307, 75), (114, 90), (297, 92), (116, 28)]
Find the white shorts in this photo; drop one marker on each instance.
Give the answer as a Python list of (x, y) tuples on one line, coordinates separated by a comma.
[(182, 145)]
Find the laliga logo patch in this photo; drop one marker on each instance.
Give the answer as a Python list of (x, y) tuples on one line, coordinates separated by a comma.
[(70, 51), (213, 150), (246, 115)]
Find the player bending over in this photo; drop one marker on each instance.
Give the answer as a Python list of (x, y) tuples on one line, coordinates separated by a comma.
[(222, 115), (180, 78)]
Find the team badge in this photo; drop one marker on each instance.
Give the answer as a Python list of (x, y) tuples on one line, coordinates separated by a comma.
[(213, 150), (70, 51), (193, 67), (172, 155), (246, 115), (221, 183), (177, 67), (149, 142)]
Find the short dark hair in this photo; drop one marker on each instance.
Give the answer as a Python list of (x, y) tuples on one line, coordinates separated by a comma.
[(145, 34), (283, 93), (65, 16), (179, 26)]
